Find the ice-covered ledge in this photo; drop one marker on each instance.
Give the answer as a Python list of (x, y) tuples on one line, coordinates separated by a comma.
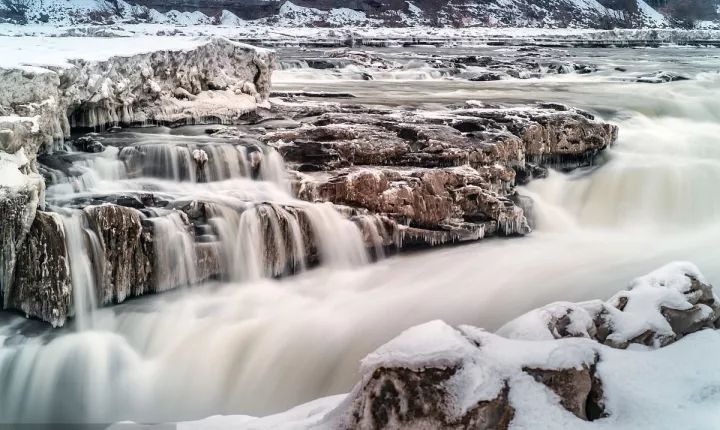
[(48, 85), (96, 81)]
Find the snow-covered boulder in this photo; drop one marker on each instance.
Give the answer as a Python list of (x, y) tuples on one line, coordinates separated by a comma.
[(436, 376), (656, 309)]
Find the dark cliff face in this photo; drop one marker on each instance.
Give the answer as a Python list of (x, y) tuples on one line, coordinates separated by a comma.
[(246, 9), (436, 12)]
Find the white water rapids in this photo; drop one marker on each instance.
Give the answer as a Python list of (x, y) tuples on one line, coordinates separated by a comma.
[(264, 345)]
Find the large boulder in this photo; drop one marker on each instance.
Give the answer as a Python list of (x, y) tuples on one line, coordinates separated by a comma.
[(435, 376)]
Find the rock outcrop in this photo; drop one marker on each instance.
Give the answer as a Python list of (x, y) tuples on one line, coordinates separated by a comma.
[(404, 177), (21, 192), (523, 63), (42, 284), (437, 177), (127, 265)]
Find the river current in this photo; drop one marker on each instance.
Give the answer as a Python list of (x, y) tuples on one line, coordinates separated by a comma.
[(258, 345)]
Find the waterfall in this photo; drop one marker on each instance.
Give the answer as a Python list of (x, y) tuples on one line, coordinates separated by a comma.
[(175, 258), (211, 208), (232, 198), (86, 258), (659, 177)]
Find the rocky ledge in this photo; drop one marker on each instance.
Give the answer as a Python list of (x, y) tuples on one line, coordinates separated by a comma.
[(560, 366), (190, 80), (432, 177)]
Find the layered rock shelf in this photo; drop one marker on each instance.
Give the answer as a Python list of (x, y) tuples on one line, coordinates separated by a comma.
[(435, 177)]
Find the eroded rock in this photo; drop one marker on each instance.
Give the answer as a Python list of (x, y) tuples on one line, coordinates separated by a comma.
[(440, 177), (42, 284), (127, 249)]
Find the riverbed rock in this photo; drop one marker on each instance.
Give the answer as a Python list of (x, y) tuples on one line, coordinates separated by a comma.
[(436, 376), (21, 192), (546, 361), (439, 176), (449, 200), (126, 269), (42, 285), (660, 77), (211, 80)]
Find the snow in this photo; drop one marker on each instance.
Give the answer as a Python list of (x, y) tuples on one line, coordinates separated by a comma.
[(433, 344), (188, 18), (229, 18), (284, 34), (628, 314), (647, 295), (59, 51), (504, 13), (653, 17), (534, 325), (10, 164)]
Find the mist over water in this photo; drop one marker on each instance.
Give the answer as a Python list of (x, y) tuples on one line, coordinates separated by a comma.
[(263, 345)]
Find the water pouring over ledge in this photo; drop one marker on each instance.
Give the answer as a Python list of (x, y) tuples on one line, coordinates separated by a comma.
[(197, 208), (261, 346)]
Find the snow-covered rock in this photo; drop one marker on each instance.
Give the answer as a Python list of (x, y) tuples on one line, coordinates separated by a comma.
[(655, 310), (536, 372)]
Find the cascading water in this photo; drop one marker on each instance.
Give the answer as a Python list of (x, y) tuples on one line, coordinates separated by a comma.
[(85, 255), (174, 251), (263, 345)]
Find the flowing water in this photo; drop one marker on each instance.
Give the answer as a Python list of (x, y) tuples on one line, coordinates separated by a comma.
[(256, 345)]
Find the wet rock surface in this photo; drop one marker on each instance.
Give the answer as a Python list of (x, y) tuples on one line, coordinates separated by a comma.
[(42, 284), (39, 105), (439, 176), (126, 268), (660, 78), (162, 209)]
